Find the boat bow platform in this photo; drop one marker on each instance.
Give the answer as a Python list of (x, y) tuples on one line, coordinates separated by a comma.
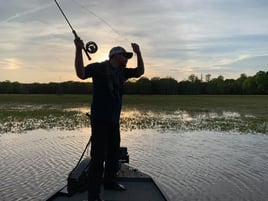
[(140, 187)]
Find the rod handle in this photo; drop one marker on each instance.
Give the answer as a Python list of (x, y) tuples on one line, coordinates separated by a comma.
[(86, 52), (89, 58)]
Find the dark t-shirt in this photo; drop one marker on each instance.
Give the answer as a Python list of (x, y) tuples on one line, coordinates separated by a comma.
[(107, 90)]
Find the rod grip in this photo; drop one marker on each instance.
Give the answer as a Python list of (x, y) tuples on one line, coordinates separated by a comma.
[(85, 50), (89, 58)]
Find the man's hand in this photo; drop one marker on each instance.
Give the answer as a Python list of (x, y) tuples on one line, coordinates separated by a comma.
[(135, 48), (79, 44), (140, 65)]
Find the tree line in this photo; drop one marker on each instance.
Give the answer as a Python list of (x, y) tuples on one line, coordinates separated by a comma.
[(257, 84)]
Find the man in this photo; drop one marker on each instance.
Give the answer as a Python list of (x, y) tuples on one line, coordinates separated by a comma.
[(108, 79)]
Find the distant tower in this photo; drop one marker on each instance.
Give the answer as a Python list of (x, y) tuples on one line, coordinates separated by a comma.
[(208, 76)]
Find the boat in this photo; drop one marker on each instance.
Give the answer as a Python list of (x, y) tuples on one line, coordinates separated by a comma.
[(140, 187)]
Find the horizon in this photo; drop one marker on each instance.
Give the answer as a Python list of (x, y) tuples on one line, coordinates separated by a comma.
[(177, 38), (202, 78)]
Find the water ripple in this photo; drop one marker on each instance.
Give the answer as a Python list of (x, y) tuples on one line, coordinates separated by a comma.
[(189, 165)]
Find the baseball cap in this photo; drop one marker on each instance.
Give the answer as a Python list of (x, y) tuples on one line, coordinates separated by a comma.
[(120, 50)]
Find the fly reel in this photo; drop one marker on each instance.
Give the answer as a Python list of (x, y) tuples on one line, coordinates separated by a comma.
[(91, 47)]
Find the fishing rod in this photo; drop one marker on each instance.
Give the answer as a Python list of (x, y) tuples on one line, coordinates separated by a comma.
[(91, 47)]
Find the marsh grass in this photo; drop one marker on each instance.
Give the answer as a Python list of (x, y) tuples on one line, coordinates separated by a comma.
[(243, 114)]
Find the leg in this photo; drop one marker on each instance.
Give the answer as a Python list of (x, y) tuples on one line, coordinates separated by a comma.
[(111, 162), (98, 150)]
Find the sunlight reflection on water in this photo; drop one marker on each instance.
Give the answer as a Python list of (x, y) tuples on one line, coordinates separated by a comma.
[(198, 165)]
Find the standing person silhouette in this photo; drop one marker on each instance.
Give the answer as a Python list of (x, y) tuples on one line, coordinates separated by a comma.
[(108, 79)]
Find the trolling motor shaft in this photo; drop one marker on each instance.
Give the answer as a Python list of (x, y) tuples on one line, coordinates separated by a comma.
[(91, 47)]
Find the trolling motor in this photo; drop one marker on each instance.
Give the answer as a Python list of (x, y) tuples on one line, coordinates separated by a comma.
[(91, 47)]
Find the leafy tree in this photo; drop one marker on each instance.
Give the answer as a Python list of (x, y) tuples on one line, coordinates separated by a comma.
[(216, 85), (262, 81), (130, 87), (192, 78), (168, 86), (230, 86), (144, 86), (250, 86), (156, 85)]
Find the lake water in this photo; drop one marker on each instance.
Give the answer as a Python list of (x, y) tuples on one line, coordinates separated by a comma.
[(196, 165)]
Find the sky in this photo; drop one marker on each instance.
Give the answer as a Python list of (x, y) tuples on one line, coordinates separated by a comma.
[(177, 38)]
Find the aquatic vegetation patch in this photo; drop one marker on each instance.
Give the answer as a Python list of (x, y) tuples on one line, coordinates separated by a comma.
[(17, 121), (21, 121), (243, 114), (183, 120)]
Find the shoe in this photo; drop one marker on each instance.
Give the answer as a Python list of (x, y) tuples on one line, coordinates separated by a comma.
[(114, 186)]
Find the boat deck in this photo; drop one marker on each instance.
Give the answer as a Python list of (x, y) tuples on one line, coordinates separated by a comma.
[(140, 187)]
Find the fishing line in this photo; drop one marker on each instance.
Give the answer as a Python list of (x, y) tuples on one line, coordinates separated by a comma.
[(87, 10), (91, 47), (101, 19)]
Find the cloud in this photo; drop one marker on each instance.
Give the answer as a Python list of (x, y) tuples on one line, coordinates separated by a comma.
[(176, 37), (14, 10), (248, 63)]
